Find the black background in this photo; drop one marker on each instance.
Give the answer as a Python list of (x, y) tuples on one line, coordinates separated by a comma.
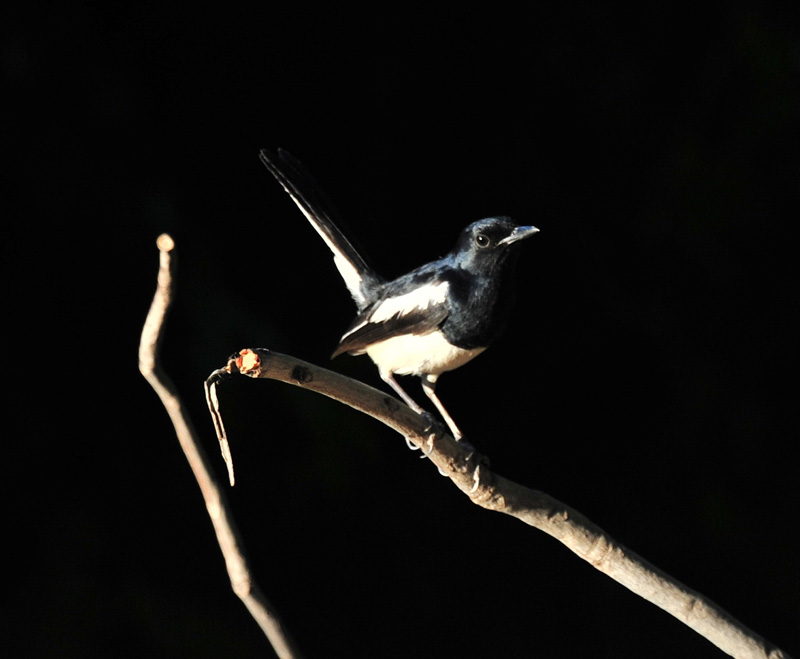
[(648, 378)]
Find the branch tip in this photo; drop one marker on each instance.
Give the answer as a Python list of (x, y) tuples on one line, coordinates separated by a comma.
[(165, 243), (213, 406), (248, 362), (217, 507)]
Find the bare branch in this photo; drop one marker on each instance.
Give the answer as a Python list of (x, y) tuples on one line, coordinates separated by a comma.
[(217, 507), (535, 508)]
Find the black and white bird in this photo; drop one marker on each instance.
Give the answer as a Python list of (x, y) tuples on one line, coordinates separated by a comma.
[(431, 320)]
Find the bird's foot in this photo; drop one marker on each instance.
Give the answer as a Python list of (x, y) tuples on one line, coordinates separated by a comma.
[(432, 425), (474, 455), (433, 430)]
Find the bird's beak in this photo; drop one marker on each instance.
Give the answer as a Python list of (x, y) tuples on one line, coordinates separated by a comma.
[(518, 234)]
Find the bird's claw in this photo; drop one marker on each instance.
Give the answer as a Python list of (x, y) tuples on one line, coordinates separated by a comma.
[(411, 444), (476, 479)]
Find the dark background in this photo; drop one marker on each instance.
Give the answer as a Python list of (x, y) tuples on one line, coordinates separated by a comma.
[(648, 378)]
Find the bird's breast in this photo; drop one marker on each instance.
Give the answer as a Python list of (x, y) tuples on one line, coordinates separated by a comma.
[(418, 354)]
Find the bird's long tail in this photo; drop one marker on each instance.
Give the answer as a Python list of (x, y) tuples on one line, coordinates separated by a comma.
[(361, 280)]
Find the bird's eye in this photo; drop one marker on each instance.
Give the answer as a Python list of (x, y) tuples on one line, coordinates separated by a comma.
[(482, 240)]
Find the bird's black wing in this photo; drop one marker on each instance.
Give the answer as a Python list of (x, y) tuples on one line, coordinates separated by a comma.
[(417, 303), (361, 280)]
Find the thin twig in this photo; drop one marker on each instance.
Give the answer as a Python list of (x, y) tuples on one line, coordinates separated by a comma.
[(536, 509), (217, 507)]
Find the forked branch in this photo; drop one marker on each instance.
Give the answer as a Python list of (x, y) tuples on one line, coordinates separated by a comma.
[(215, 501)]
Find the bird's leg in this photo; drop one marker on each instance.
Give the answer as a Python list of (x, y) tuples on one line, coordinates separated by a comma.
[(429, 387), (388, 378), (433, 423)]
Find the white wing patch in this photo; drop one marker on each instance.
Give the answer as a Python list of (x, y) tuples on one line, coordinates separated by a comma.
[(416, 300)]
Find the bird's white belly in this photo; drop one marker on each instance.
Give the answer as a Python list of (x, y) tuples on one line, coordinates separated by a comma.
[(419, 354)]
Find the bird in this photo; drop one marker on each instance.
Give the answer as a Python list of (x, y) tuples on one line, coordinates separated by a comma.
[(432, 320)]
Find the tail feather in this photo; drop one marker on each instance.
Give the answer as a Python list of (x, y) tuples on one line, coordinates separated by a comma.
[(361, 280)]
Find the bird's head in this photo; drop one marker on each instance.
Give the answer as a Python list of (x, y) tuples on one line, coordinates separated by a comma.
[(486, 244)]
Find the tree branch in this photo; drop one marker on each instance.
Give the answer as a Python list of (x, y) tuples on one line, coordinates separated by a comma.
[(216, 504), (493, 492)]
